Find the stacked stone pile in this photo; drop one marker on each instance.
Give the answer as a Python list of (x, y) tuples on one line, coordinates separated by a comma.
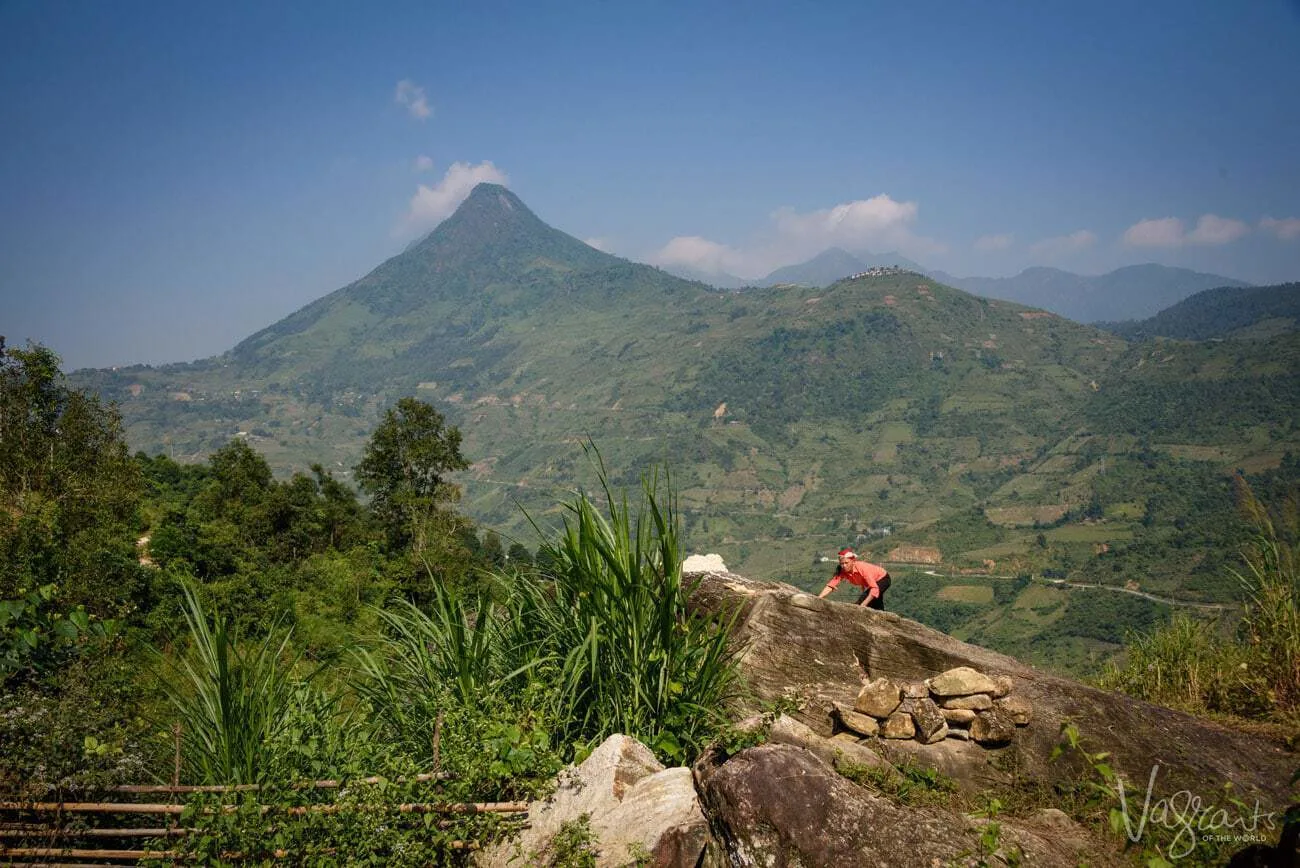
[(962, 703)]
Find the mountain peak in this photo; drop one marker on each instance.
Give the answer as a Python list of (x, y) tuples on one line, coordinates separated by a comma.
[(491, 195)]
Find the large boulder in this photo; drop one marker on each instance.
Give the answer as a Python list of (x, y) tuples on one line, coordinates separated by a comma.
[(820, 652), (780, 805), (633, 804)]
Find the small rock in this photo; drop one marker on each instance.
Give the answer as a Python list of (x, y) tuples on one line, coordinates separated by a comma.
[(1002, 685), (848, 737), (899, 725), (710, 563), (992, 727), (959, 734), (961, 681), (916, 690), (878, 698), (856, 721), (977, 702), (958, 716), (808, 602), (929, 720), (1017, 707)]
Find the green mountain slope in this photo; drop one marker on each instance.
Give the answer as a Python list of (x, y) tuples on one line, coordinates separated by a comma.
[(1226, 312), (890, 412)]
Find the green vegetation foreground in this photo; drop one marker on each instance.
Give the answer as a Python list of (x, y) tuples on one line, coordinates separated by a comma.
[(324, 638)]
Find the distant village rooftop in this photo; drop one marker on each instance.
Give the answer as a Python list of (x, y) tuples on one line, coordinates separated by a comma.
[(883, 271)]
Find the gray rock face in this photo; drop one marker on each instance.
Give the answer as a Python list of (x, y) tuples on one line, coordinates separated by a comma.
[(777, 805), (811, 654), (633, 802), (961, 681), (879, 698)]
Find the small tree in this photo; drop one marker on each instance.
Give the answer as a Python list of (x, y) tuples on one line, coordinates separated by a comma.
[(404, 471)]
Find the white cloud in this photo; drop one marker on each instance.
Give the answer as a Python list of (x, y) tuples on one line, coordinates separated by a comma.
[(1287, 229), (599, 243), (423, 163), (988, 243), (880, 223), (1064, 245), (412, 96), (431, 205), (1170, 232), (708, 256), (1212, 229), (1165, 232)]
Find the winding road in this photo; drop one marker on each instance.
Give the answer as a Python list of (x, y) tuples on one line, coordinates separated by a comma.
[(1062, 583)]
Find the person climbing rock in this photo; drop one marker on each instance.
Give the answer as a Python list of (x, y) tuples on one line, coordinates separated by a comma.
[(873, 579)]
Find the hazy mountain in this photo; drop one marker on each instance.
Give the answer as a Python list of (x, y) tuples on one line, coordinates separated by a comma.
[(1132, 292), (1227, 312), (831, 265), (721, 279)]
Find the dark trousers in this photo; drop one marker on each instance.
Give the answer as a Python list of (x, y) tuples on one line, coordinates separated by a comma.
[(878, 602)]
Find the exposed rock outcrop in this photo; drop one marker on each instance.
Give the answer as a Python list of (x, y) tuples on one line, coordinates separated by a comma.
[(821, 652), (780, 805)]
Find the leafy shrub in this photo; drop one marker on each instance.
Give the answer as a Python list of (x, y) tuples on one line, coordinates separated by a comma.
[(35, 640)]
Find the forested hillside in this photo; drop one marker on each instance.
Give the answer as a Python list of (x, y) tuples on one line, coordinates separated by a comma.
[(1226, 312)]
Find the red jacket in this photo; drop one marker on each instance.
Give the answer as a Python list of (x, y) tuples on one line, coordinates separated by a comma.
[(864, 574)]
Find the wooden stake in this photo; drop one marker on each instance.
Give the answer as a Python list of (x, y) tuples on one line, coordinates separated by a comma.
[(437, 741)]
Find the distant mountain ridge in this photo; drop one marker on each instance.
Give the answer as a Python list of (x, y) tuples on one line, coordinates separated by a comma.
[(720, 279), (834, 264), (1131, 292), (825, 268)]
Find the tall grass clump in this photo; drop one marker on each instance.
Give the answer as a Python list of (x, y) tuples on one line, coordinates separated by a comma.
[(1271, 621), (233, 698), (597, 641), (610, 610), (1190, 665), (1253, 671)]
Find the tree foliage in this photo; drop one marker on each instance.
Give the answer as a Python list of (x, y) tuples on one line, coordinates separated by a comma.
[(404, 470), (68, 489)]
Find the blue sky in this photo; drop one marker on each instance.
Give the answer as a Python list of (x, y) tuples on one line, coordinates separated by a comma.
[(175, 176)]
